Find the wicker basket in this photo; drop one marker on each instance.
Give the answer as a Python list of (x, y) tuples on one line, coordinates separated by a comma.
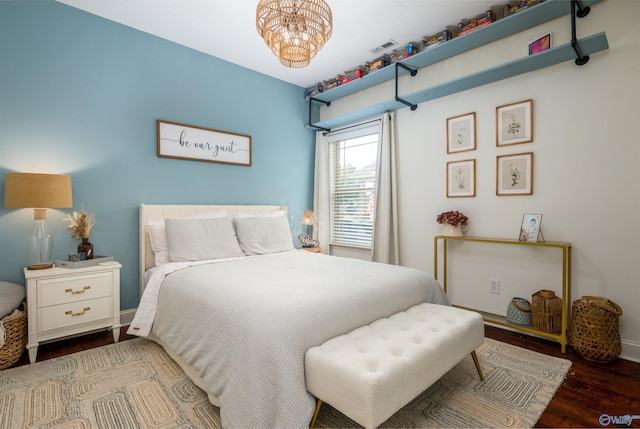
[(595, 329), (15, 339), (546, 312)]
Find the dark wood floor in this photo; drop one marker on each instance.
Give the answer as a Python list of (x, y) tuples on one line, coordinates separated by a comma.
[(589, 390)]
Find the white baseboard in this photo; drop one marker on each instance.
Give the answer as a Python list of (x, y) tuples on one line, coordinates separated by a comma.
[(630, 351), (126, 316)]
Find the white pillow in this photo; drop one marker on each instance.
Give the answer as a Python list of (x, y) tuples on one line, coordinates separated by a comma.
[(263, 234), (158, 236), (200, 239)]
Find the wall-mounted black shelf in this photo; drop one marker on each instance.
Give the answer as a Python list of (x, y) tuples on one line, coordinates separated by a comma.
[(535, 15)]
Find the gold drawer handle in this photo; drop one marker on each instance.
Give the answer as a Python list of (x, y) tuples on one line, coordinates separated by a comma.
[(78, 314), (75, 292)]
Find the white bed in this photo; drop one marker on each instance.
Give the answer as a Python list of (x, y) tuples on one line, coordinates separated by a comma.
[(240, 325)]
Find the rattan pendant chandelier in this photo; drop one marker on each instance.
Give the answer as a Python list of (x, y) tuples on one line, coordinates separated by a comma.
[(294, 30)]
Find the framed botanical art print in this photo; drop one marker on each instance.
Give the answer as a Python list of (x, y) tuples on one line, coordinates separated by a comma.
[(461, 178), (514, 174), (461, 133), (514, 123)]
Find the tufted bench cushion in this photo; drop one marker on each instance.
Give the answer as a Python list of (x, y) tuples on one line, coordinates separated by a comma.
[(373, 371)]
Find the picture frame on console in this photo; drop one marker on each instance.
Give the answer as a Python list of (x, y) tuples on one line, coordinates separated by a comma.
[(531, 228)]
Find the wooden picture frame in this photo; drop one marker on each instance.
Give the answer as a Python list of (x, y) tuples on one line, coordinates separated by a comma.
[(181, 141), (514, 174), (461, 178), (514, 123), (461, 133)]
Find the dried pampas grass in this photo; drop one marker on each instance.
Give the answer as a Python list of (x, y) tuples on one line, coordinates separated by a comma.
[(81, 223)]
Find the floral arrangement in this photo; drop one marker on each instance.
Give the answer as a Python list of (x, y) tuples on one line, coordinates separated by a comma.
[(81, 223), (454, 218)]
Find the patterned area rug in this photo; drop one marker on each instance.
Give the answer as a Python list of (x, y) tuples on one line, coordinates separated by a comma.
[(135, 384)]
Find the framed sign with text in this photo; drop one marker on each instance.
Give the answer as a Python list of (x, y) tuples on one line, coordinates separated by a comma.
[(182, 141)]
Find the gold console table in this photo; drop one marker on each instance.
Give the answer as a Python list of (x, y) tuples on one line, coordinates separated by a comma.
[(498, 319)]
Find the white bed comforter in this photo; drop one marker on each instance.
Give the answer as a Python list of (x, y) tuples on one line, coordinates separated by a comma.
[(245, 324)]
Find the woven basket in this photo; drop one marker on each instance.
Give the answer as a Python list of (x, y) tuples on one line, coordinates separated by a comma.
[(519, 311), (546, 312), (15, 339), (595, 329)]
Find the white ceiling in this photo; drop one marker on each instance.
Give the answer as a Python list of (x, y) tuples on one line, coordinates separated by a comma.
[(226, 29)]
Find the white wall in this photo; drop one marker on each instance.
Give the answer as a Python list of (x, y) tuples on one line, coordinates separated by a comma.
[(586, 159)]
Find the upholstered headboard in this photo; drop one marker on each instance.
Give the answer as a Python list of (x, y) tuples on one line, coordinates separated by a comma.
[(152, 213)]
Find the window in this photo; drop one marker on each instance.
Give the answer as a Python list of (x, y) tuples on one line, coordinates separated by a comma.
[(353, 155)]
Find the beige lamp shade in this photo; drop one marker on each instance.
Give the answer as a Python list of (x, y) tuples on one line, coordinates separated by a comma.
[(39, 192), (33, 190), (307, 217)]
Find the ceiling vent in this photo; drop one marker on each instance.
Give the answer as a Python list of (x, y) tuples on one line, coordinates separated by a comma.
[(385, 46)]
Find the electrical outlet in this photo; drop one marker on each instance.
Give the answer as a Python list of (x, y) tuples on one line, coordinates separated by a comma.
[(494, 286)]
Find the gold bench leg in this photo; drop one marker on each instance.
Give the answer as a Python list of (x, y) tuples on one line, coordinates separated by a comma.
[(475, 360), (315, 414)]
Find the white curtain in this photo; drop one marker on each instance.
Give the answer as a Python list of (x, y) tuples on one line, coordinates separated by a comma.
[(385, 246), (321, 207)]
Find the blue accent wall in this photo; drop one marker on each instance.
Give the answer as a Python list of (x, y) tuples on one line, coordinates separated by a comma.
[(80, 95)]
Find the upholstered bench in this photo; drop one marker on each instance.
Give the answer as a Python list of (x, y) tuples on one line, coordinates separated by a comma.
[(373, 371)]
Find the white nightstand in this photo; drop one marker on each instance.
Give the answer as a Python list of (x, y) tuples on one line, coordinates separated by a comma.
[(65, 301)]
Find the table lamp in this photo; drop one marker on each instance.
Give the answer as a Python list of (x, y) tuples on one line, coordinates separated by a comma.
[(306, 240), (307, 219), (39, 192)]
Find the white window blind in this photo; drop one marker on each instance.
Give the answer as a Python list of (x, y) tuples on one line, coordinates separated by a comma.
[(353, 157)]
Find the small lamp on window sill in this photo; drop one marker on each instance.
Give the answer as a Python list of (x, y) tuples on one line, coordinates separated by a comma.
[(39, 192), (305, 239)]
